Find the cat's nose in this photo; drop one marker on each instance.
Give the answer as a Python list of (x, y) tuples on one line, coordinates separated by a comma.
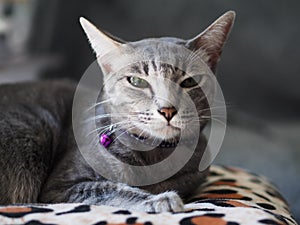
[(168, 113)]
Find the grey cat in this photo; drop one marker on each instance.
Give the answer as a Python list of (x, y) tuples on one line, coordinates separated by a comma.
[(40, 160)]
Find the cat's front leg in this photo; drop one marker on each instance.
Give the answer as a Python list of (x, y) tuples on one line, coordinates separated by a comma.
[(121, 195)]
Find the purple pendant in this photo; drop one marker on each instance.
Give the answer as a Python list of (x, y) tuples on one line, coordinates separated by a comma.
[(105, 140)]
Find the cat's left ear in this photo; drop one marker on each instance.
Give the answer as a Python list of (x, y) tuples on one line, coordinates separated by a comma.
[(101, 42), (210, 42)]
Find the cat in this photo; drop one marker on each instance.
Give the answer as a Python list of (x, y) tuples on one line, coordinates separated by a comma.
[(40, 161)]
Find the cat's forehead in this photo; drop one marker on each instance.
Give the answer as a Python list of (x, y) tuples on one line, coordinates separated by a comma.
[(153, 58), (157, 68), (167, 57)]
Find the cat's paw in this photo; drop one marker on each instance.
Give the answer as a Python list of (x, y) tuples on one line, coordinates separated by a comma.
[(164, 202)]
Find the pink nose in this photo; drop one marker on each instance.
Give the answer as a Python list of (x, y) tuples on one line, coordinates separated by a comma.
[(168, 113)]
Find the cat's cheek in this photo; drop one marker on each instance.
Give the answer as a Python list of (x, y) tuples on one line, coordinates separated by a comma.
[(177, 123)]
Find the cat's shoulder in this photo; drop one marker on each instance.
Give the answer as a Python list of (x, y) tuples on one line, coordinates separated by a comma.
[(55, 96), (38, 85)]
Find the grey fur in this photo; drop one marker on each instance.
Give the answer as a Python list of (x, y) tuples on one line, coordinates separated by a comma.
[(40, 161)]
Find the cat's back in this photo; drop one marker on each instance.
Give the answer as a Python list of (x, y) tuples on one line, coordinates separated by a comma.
[(34, 118), (31, 107), (36, 98), (33, 103)]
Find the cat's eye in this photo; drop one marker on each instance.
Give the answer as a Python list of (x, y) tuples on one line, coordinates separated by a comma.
[(138, 82), (191, 81)]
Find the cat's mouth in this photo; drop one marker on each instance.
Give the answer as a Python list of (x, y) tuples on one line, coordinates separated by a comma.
[(169, 131), (162, 133), (164, 137), (154, 142)]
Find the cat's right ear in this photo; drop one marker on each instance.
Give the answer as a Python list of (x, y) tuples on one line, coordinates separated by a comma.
[(211, 41), (101, 42)]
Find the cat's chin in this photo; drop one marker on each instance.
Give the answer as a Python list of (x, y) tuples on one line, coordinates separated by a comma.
[(159, 133), (168, 132)]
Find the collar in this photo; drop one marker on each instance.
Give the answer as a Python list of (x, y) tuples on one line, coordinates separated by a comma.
[(108, 137)]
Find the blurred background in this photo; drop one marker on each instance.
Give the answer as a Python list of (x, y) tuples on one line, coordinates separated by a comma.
[(259, 71)]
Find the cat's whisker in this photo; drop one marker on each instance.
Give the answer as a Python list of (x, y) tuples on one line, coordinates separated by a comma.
[(97, 104), (211, 118), (143, 131), (212, 108), (155, 138), (115, 115), (122, 128), (110, 125), (192, 132), (220, 101), (215, 119), (219, 121), (149, 130), (192, 122), (208, 117), (96, 138), (126, 130), (109, 115), (202, 98), (107, 127)]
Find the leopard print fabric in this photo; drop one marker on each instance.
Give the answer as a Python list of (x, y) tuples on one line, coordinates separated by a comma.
[(230, 196)]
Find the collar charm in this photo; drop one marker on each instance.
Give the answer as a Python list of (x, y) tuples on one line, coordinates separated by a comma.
[(105, 137), (105, 140)]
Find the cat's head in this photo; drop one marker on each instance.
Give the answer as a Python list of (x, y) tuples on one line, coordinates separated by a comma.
[(152, 87)]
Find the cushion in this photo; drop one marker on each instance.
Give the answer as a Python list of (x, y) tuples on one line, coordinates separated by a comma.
[(230, 196)]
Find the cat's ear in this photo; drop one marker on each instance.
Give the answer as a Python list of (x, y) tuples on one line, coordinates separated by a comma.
[(101, 41), (210, 42)]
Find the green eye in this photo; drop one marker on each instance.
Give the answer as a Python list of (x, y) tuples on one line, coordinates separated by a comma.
[(191, 81), (138, 82)]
